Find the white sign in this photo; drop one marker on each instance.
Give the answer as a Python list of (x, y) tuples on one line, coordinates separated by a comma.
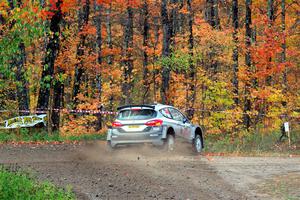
[(286, 127)]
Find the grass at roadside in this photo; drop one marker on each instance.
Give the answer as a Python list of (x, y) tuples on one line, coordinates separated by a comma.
[(253, 143), (25, 135), (243, 143), (22, 186)]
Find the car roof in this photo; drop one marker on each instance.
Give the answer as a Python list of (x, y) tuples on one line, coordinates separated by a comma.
[(155, 106)]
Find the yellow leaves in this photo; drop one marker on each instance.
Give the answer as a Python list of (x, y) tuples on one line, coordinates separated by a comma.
[(4, 7), (270, 94), (78, 126)]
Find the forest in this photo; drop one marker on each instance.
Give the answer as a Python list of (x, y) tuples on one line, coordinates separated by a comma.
[(230, 65)]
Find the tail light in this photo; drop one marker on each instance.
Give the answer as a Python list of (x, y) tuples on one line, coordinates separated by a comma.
[(156, 122), (116, 124)]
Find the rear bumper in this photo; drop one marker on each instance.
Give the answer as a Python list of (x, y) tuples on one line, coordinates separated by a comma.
[(154, 137)]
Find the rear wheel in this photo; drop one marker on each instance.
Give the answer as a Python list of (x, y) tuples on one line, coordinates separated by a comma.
[(109, 147), (197, 144), (169, 143)]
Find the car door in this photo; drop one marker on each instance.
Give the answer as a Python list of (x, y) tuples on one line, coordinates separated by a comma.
[(187, 128), (178, 120), (166, 112)]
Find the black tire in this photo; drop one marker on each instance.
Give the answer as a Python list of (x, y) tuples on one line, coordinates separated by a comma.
[(197, 144), (169, 143)]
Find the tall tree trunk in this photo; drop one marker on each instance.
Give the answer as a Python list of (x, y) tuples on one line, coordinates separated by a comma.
[(192, 73), (212, 13), (165, 51), (22, 85), (248, 36), (235, 55), (110, 46), (58, 92), (216, 14), (212, 17), (173, 21), (2, 22), (283, 45), (271, 18), (128, 63), (83, 18), (98, 22), (51, 54), (155, 71), (146, 74), (181, 18)]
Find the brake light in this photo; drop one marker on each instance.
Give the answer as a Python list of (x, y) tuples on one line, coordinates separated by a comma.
[(156, 122), (116, 124)]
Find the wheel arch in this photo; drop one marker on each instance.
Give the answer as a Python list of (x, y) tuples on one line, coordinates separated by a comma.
[(170, 130)]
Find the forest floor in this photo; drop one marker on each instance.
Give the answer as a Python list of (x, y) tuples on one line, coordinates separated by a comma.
[(147, 173)]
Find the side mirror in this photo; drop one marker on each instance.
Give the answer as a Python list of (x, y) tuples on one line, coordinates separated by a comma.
[(185, 120)]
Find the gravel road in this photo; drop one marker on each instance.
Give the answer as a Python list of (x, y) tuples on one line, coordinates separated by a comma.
[(147, 173)]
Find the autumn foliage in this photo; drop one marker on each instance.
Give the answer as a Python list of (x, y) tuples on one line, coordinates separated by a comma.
[(105, 46)]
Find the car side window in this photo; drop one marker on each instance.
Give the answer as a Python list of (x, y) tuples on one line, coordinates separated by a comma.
[(176, 114), (166, 113)]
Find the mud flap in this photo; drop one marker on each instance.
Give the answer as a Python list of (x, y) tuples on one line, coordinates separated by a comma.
[(164, 132), (108, 137)]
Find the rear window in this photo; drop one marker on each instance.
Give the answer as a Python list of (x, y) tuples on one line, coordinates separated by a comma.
[(136, 114)]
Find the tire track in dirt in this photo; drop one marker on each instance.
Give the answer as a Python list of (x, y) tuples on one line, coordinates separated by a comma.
[(131, 173)]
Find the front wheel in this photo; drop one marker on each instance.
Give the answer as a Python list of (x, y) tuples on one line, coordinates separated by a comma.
[(197, 144)]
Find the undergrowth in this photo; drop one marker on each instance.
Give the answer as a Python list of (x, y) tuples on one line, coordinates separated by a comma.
[(242, 142), (255, 143), (20, 186), (27, 135)]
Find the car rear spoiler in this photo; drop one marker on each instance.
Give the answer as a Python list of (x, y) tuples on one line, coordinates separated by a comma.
[(131, 106)]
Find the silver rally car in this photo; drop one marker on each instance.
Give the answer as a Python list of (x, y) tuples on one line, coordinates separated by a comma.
[(157, 124)]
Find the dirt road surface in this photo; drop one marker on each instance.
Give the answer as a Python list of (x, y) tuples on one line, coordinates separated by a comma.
[(148, 173)]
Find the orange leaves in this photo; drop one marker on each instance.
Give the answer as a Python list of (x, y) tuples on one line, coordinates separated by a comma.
[(103, 2), (67, 5), (263, 93), (88, 30), (107, 51), (129, 3), (55, 5)]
